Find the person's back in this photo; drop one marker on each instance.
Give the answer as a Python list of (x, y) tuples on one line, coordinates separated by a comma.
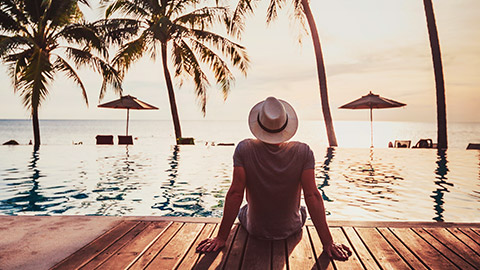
[(273, 186), (273, 172)]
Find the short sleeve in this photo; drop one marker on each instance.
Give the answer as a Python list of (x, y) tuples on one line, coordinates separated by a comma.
[(309, 159), (237, 155)]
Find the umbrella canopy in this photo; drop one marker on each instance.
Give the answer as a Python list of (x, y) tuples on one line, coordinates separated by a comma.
[(128, 102), (372, 101)]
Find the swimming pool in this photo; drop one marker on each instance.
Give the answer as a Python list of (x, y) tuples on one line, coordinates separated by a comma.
[(356, 183)]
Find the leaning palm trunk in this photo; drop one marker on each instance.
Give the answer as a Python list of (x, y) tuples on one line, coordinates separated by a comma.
[(439, 81), (171, 94), (36, 129), (322, 78)]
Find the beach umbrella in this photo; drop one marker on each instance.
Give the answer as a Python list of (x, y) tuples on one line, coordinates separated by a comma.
[(129, 103), (372, 101)]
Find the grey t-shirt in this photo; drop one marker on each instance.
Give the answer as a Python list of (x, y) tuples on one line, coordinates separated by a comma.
[(273, 185)]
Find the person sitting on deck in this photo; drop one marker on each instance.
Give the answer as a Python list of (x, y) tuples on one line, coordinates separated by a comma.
[(273, 171)]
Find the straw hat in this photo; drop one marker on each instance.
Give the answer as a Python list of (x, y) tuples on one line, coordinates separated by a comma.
[(273, 121)]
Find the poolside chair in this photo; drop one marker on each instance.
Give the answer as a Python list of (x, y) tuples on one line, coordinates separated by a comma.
[(424, 143), (104, 139), (473, 146), (402, 143), (122, 139)]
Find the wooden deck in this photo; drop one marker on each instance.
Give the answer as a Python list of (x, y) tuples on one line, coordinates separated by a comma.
[(167, 244)]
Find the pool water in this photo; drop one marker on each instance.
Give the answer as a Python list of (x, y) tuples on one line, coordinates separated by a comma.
[(166, 180)]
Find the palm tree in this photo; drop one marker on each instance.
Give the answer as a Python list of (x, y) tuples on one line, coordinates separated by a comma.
[(301, 11), (164, 24), (439, 81), (37, 39)]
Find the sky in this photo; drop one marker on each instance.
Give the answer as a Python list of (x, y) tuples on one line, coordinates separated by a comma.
[(371, 45)]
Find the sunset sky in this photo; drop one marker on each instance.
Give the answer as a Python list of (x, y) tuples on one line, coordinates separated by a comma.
[(374, 45)]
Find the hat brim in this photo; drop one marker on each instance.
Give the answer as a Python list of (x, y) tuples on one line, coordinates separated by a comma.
[(268, 137)]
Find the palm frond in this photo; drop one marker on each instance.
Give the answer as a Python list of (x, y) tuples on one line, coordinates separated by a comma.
[(236, 53), (130, 8), (33, 79), (9, 44), (195, 71), (8, 23), (237, 22), (62, 65), (12, 8), (176, 7), (111, 77), (203, 17), (299, 20), (130, 52), (222, 73), (116, 31), (59, 13), (17, 63), (272, 9)]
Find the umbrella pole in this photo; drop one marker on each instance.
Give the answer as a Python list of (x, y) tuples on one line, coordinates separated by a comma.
[(128, 115), (371, 128)]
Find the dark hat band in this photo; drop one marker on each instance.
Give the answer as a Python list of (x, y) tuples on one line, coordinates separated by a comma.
[(272, 130)]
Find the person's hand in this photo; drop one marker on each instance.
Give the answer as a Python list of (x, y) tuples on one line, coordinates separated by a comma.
[(338, 252), (210, 244)]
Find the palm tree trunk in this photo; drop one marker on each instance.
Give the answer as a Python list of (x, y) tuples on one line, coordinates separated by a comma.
[(439, 81), (171, 94), (36, 128), (322, 78)]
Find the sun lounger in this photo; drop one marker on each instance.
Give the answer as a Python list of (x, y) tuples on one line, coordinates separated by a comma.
[(104, 139), (122, 139), (402, 143), (473, 146), (424, 143)]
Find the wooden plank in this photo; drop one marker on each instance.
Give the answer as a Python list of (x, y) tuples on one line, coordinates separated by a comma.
[(217, 260), (279, 259), (192, 255), (425, 252), (454, 244), (257, 254), (401, 249), (128, 253), (171, 255), (474, 246), (300, 251), (452, 256), (92, 249), (399, 224), (111, 250), (156, 247), (358, 247), (475, 237), (384, 254), (322, 258), (234, 259)]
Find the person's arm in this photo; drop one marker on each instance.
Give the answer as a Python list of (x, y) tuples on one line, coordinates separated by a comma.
[(316, 209), (233, 200)]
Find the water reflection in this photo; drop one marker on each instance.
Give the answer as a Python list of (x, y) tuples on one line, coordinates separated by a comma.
[(325, 170), (168, 186), (441, 175), (375, 176), (31, 198), (114, 185)]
